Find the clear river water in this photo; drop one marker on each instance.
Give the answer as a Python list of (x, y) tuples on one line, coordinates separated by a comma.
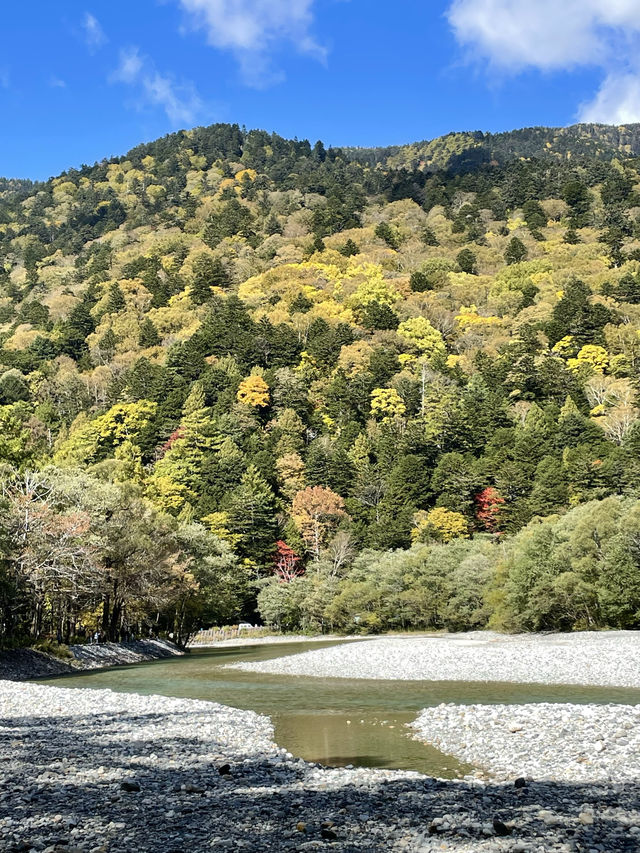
[(333, 721)]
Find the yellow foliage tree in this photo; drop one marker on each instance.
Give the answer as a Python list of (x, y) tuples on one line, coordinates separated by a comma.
[(441, 524), (387, 404), (591, 358), (420, 333), (253, 391)]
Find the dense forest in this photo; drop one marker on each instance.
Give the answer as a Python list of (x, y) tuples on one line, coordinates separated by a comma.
[(358, 390)]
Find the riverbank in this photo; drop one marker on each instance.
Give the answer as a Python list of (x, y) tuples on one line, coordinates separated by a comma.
[(273, 639), (101, 772), (26, 664), (556, 742), (607, 658)]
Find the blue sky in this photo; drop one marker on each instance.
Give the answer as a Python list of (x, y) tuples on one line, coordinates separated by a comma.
[(82, 80)]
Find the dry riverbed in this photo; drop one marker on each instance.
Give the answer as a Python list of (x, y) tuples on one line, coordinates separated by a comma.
[(24, 664), (607, 658), (87, 770)]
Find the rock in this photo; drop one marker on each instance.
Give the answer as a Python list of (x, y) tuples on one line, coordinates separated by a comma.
[(130, 787), (224, 770), (520, 782), (328, 835), (501, 828), (586, 818), (435, 826), (301, 826)]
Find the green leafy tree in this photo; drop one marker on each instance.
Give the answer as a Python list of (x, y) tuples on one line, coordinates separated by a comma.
[(467, 261), (516, 252)]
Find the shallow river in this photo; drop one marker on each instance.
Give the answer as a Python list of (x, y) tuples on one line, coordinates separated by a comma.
[(333, 721)]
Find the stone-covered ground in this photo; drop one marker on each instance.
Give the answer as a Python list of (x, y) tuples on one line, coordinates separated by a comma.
[(87, 770)]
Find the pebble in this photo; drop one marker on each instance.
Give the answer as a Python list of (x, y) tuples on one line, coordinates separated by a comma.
[(61, 788)]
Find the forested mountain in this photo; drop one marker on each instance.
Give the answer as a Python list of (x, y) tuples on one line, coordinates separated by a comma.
[(457, 151), (234, 365)]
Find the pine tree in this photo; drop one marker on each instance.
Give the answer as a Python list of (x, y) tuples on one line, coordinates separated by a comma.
[(116, 301), (148, 336), (208, 272), (272, 225), (349, 249), (390, 235), (251, 514), (466, 260), (428, 237), (516, 252)]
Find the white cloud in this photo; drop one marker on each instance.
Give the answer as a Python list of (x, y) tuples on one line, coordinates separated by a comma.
[(130, 66), (617, 101), (514, 35), (253, 29), (93, 33), (544, 34), (179, 100), (57, 83)]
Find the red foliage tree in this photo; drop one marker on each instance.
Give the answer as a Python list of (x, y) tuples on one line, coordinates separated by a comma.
[(488, 506), (287, 563), (175, 435)]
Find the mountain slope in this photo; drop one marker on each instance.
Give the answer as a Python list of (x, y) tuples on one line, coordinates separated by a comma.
[(311, 352)]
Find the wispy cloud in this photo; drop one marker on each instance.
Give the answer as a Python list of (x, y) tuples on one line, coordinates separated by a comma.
[(5, 78), (513, 36), (616, 102), (179, 100), (57, 83), (130, 66), (253, 30), (93, 34)]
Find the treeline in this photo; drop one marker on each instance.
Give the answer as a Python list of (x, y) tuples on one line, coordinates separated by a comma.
[(579, 571), (81, 555)]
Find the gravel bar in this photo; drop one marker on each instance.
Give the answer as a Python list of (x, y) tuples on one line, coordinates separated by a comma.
[(101, 772), (607, 658), (559, 742)]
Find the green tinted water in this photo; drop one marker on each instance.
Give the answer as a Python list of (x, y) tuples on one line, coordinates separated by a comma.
[(333, 721)]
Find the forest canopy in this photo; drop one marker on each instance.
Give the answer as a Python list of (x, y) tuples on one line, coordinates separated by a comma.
[(249, 377)]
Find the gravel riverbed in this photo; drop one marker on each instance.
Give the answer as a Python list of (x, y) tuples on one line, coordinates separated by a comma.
[(559, 742), (591, 658), (101, 772)]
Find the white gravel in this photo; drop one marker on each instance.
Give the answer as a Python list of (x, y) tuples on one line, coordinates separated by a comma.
[(91, 771), (560, 742), (590, 658)]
